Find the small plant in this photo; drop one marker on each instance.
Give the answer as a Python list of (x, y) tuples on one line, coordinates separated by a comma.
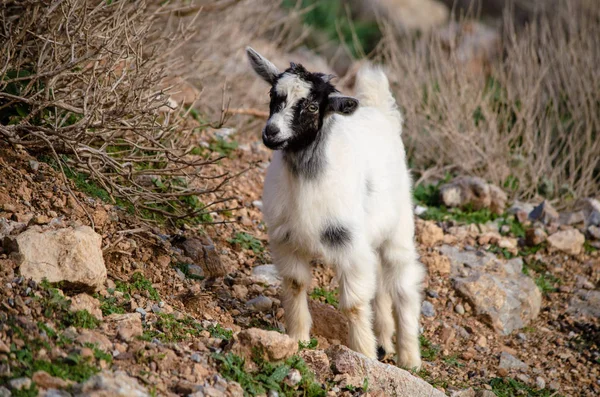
[(323, 295), (138, 284), (110, 305), (169, 329), (268, 376), (429, 351), (452, 360), (223, 147), (247, 241), (81, 319), (509, 387), (312, 344)]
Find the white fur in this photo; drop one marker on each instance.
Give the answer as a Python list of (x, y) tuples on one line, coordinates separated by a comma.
[(294, 89), (380, 266)]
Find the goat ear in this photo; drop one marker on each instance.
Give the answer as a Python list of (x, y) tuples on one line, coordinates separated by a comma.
[(262, 66), (345, 105)]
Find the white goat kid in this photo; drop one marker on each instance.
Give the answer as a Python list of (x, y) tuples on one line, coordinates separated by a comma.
[(338, 189)]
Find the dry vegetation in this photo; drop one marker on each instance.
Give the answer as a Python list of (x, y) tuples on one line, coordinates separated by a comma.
[(84, 83), (528, 121)]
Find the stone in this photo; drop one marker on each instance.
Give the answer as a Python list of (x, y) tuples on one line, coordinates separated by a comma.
[(202, 250), (464, 393), (328, 322), (19, 383), (260, 304), (44, 380), (266, 274), (571, 218), (429, 234), (545, 213), (585, 304), (382, 378), (86, 336), (108, 383), (239, 291), (8, 228), (594, 231), (540, 382), (436, 264), (521, 210), (69, 255), (568, 241), (54, 393), (510, 362), (591, 211), (427, 309), (272, 345), (535, 236), (506, 303), (473, 192), (129, 325), (318, 362), (470, 259), (460, 309), (293, 378), (86, 302), (4, 392)]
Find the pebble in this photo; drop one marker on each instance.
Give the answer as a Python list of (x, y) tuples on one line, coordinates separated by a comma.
[(522, 336), (459, 309), (196, 357), (260, 304), (293, 378), (427, 309), (141, 311), (20, 383), (540, 382), (273, 393), (432, 293), (195, 271), (155, 308), (4, 392)]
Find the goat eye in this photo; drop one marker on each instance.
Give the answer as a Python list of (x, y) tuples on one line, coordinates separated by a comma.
[(313, 108)]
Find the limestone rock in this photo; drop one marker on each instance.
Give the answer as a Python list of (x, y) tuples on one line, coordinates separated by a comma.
[(506, 303), (266, 274), (521, 210), (70, 255), (571, 218), (129, 325), (568, 241), (591, 211), (86, 302), (318, 362), (499, 293), (383, 378), (328, 322), (96, 338), (585, 304), (260, 304), (475, 192), (544, 213), (429, 234), (202, 250), (508, 362), (274, 346), (108, 383), (44, 380)]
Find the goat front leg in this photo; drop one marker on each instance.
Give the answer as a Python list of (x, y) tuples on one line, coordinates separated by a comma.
[(357, 275), (296, 280)]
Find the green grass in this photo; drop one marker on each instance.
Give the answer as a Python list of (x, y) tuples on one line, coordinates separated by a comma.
[(452, 360), (429, 351), (110, 305), (169, 329), (459, 215), (55, 306), (268, 376), (588, 248), (312, 344), (323, 295), (217, 331), (247, 241), (138, 284), (544, 280), (331, 18), (223, 147), (509, 387)]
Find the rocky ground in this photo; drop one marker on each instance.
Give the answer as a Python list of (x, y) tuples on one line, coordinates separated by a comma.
[(511, 307)]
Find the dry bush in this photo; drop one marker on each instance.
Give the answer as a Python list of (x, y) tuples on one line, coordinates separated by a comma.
[(82, 81), (530, 121)]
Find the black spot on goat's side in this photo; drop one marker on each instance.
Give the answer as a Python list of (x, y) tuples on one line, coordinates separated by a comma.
[(336, 236)]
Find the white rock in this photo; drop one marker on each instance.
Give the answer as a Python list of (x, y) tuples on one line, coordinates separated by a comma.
[(266, 274), (72, 255)]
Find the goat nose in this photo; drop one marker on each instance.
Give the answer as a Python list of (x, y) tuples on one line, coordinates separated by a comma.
[(271, 130)]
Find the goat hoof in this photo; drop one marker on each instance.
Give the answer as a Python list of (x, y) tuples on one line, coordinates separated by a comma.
[(381, 353)]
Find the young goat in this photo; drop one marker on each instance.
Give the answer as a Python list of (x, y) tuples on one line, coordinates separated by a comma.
[(338, 189)]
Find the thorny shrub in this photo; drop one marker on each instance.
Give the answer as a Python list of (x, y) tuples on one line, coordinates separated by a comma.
[(83, 83)]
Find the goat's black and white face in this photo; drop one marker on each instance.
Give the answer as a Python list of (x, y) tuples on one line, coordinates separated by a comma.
[(300, 103)]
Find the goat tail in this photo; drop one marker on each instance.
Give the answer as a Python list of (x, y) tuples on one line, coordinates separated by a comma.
[(373, 89)]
